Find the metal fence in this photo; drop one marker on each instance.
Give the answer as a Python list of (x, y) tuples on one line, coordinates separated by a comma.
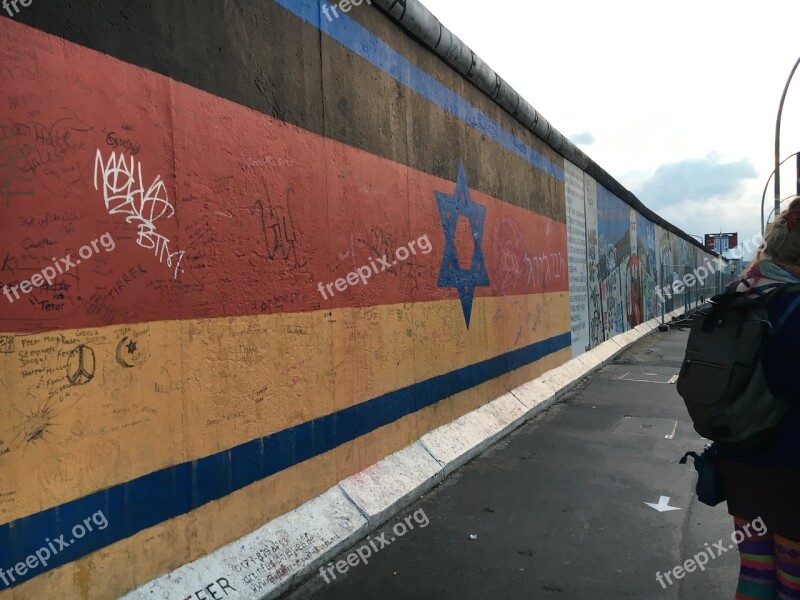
[(675, 294)]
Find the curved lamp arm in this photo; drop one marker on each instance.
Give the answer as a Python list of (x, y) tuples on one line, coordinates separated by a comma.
[(766, 187), (778, 141)]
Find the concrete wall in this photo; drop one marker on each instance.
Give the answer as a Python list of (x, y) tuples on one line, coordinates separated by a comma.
[(624, 269), (175, 184)]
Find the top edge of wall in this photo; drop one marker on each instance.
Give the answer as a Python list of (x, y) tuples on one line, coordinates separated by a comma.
[(421, 24)]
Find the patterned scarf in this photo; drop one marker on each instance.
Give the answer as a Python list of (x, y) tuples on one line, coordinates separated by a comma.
[(775, 271)]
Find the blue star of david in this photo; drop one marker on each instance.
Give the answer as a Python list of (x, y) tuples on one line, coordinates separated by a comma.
[(451, 275)]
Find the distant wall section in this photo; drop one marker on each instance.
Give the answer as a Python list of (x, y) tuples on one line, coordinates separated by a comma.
[(619, 261)]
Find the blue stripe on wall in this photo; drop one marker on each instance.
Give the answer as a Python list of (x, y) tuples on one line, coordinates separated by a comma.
[(145, 502), (356, 38)]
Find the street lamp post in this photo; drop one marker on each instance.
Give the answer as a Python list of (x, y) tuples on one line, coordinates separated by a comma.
[(778, 141), (766, 187)]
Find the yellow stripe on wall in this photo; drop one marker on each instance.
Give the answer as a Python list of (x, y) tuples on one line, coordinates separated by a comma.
[(90, 409), (125, 565)]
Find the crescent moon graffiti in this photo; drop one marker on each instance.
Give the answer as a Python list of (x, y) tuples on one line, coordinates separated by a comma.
[(121, 360)]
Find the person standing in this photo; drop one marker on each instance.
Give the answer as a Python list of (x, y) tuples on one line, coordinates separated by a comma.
[(765, 482)]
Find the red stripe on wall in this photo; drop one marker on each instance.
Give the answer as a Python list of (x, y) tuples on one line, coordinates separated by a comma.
[(214, 209)]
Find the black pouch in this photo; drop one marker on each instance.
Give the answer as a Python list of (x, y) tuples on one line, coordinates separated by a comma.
[(710, 490)]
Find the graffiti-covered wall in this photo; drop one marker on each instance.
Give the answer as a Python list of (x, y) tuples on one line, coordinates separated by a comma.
[(630, 264), (247, 251)]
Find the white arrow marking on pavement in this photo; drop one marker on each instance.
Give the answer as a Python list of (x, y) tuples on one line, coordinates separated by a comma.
[(663, 505)]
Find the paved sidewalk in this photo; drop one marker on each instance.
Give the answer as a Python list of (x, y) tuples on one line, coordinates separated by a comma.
[(558, 507)]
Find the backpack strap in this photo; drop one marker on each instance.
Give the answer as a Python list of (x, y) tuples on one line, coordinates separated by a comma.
[(787, 313), (686, 456), (763, 289), (783, 289)]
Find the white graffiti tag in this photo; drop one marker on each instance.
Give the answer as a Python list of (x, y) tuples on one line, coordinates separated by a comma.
[(124, 193)]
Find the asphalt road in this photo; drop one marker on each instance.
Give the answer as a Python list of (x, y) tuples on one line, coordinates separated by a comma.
[(559, 508)]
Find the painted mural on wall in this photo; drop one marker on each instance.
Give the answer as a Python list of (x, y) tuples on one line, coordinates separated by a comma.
[(597, 326), (578, 259), (648, 265), (626, 257), (614, 244), (669, 254)]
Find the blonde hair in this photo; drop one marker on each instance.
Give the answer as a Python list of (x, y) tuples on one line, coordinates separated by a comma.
[(782, 237)]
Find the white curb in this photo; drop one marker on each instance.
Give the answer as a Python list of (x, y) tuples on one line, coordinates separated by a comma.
[(393, 483), (457, 443), (263, 564)]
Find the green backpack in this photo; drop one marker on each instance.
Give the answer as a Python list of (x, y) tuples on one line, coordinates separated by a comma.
[(721, 380)]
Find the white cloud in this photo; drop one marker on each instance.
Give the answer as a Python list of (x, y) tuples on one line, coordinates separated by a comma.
[(584, 138), (694, 181)]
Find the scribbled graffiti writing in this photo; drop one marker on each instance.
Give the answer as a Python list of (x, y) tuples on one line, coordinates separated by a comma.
[(509, 247), (543, 269), (117, 142), (351, 254), (380, 242), (12, 170), (280, 237), (124, 193), (533, 269)]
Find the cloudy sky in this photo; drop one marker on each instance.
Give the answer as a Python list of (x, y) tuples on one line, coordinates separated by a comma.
[(676, 100)]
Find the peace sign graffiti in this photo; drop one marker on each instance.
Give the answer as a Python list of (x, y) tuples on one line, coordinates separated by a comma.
[(81, 365)]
